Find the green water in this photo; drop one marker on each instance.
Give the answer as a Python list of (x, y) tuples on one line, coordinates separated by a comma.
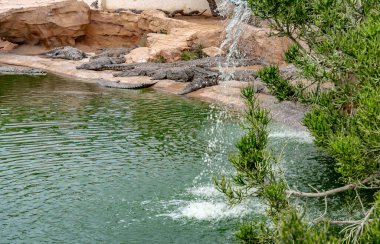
[(84, 164)]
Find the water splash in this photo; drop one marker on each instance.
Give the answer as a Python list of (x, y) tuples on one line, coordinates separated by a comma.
[(220, 139), (209, 205)]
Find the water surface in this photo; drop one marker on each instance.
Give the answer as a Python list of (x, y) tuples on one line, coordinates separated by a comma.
[(84, 164)]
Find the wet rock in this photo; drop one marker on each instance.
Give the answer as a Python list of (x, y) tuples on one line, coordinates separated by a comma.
[(16, 70), (119, 85), (97, 64), (67, 52)]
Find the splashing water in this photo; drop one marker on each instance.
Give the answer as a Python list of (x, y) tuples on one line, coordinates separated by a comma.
[(209, 203)]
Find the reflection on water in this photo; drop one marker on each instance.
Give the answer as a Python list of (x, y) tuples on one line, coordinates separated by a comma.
[(83, 164)]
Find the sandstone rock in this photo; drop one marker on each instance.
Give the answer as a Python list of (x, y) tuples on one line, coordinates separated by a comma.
[(172, 45), (165, 36), (212, 51), (52, 23), (7, 46), (256, 42), (140, 55), (125, 28)]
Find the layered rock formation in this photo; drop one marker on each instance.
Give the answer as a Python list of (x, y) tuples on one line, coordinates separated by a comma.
[(51, 23), (155, 33), (55, 23)]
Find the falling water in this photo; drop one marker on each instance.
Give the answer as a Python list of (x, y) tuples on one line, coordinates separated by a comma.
[(237, 13), (208, 203)]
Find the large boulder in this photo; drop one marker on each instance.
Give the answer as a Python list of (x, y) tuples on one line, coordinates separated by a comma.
[(258, 43), (52, 23)]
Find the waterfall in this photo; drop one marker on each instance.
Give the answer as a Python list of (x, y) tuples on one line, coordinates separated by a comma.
[(237, 13), (207, 203)]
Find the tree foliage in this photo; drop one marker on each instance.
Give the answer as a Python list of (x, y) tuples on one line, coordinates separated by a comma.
[(335, 41)]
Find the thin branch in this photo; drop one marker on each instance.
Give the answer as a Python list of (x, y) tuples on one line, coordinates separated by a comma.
[(324, 213), (321, 194), (332, 191), (360, 200), (347, 222), (361, 226)]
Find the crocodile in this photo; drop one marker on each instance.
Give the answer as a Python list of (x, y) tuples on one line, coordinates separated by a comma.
[(209, 62), (117, 84), (197, 84), (16, 70), (97, 64), (111, 52), (244, 75), (66, 52)]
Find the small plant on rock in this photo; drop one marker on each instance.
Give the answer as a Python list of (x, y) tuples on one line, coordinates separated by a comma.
[(195, 52)]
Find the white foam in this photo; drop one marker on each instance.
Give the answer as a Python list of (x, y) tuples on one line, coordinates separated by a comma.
[(208, 191), (302, 136), (207, 210), (209, 205)]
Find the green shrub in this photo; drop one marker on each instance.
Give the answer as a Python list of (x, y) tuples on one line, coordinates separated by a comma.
[(195, 52), (160, 59), (279, 87), (340, 44)]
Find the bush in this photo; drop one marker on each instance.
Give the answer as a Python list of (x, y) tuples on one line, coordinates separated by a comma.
[(195, 52), (279, 87), (342, 40)]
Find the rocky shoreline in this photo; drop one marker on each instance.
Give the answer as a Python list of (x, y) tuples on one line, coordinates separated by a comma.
[(225, 93), (136, 50)]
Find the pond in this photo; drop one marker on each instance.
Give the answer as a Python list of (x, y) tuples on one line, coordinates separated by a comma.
[(85, 164)]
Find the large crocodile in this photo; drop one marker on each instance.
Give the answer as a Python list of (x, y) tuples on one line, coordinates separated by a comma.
[(66, 52), (204, 62), (97, 64), (16, 70), (197, 84), (117, 84), (111, 52)]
